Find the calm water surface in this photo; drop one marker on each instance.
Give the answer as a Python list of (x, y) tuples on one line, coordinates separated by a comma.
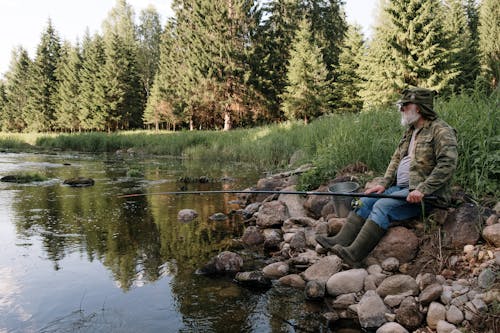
[(85, 260)]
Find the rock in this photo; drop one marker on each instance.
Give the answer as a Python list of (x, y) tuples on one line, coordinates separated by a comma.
[(323, 269), (480, 306), (491, 234), (430, 293), (252, 236), (314, 290), (344, 301), (350, 281), (424, 280), (408, 314), (492, 219), (470, 312), (436, 312), (268, 184), (397, 284), (444, 327), (79, 182), (461, 226), (271, 214), (447, 295), (224, 263), (390, 264), (218, 217), (371, 310), (187, 215), (391, 328), (298, 241), (399, 242), (454, 315), (306, 258), (272, 239), (251, 209), (253, 279), (293, 280), (372, 281), (486, 279), (294, 203), (276, 270), (315, 203), (395, 300), (335, 224)]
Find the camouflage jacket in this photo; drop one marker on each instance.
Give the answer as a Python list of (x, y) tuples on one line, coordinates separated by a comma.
[(434, 162)]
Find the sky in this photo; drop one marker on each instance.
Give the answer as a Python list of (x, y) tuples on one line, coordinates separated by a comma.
[(23, 21)]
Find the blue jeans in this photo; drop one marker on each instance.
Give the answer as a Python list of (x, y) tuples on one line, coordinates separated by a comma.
[(383, 211)]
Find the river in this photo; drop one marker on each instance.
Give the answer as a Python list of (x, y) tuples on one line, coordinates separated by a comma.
[(85, 260)]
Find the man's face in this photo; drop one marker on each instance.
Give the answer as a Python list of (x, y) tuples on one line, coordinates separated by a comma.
[(409, 114)]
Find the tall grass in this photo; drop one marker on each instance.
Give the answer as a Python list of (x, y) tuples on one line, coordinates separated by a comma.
[(330, 142)]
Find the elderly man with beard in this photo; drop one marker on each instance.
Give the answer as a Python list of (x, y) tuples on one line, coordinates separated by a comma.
[(423, 164)]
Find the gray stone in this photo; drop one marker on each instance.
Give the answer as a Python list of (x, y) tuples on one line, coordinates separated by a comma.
[(461, 226), (399, 242), (253, 279), (344, 301), (447, 295), (323, 269), (276, 270), (350, 281), (224, 262), (479, 305), (390, 264), (293, 280), (372, 281), (294, 203), (397, 284), (454, 315), (315, 203), (408, 314), (374, 269), (486, 279), (470, 311), (272, 238), (395, 300), (298, 241), (218, 217), (314, 290), (187, 215), (391, 328), (271, 214), (459, 300), (430, 293), (252, 236), (251, 209), (371, 310), (436, 312), (491, 234), (424, 280), (444, 327)]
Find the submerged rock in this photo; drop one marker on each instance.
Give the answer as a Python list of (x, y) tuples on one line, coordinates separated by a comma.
[(187, 215), (79, 182), (253, 279), (224, 263)]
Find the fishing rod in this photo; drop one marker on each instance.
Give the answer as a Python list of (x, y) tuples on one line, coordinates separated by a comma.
[(336, 194)]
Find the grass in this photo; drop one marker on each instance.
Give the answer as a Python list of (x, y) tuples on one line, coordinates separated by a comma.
[(330, 142), (23, 178)]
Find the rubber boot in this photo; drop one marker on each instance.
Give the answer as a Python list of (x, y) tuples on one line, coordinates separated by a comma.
[(346, 235), (367, 239)]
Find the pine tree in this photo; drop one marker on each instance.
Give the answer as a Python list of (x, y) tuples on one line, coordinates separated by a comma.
[(43, 82), (348, 80), (15, 110), (149, 35), (68, 90), (489, 41), (308, 90), (466, 56), (3, 103), (124, 98)]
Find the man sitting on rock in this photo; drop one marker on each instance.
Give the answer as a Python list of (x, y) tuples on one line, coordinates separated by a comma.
[(423, 164)]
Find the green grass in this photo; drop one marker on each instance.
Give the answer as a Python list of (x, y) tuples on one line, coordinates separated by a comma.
[(330, 143)]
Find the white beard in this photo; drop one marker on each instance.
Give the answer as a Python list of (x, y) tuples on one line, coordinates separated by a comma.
[(409, 117)]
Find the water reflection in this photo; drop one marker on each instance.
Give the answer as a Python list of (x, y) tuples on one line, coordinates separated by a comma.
[(145, 251)]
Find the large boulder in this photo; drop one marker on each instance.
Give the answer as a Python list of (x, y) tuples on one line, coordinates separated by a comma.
[(345, 282), (398, 284), (315, 203), (462, 226), (224, 263), (372, 310), (272, 214), (323, 269), (252, 236), (294, 203), (399, 242)]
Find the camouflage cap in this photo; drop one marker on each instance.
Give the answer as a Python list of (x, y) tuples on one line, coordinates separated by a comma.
[(422, 97)]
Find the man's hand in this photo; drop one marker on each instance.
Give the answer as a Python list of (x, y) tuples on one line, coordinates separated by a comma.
[(375, 189), (415, 196)]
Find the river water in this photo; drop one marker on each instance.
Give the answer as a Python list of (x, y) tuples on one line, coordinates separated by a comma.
[(85, 260)]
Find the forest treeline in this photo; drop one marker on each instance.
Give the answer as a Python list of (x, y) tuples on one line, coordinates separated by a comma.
[(218, 64)]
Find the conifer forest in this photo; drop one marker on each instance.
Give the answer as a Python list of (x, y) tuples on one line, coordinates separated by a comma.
[(222, 64)]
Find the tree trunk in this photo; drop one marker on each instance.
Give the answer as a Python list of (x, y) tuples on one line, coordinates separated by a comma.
[(227, 121)]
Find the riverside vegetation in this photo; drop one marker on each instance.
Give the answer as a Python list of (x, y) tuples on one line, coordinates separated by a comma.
[(329, 143)]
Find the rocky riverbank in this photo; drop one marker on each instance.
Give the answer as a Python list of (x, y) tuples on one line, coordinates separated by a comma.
[(438, 274)]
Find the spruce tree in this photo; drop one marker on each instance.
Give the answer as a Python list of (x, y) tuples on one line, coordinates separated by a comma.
[(489, 41), (92, 115), (149, 35), (308, 89), (348, 80), (43, 82), (68, 89), (3, 103), (15, 109), (460, 32)]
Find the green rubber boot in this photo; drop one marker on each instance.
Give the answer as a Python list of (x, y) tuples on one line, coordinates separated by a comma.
[(346, 235), (367, 239)]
